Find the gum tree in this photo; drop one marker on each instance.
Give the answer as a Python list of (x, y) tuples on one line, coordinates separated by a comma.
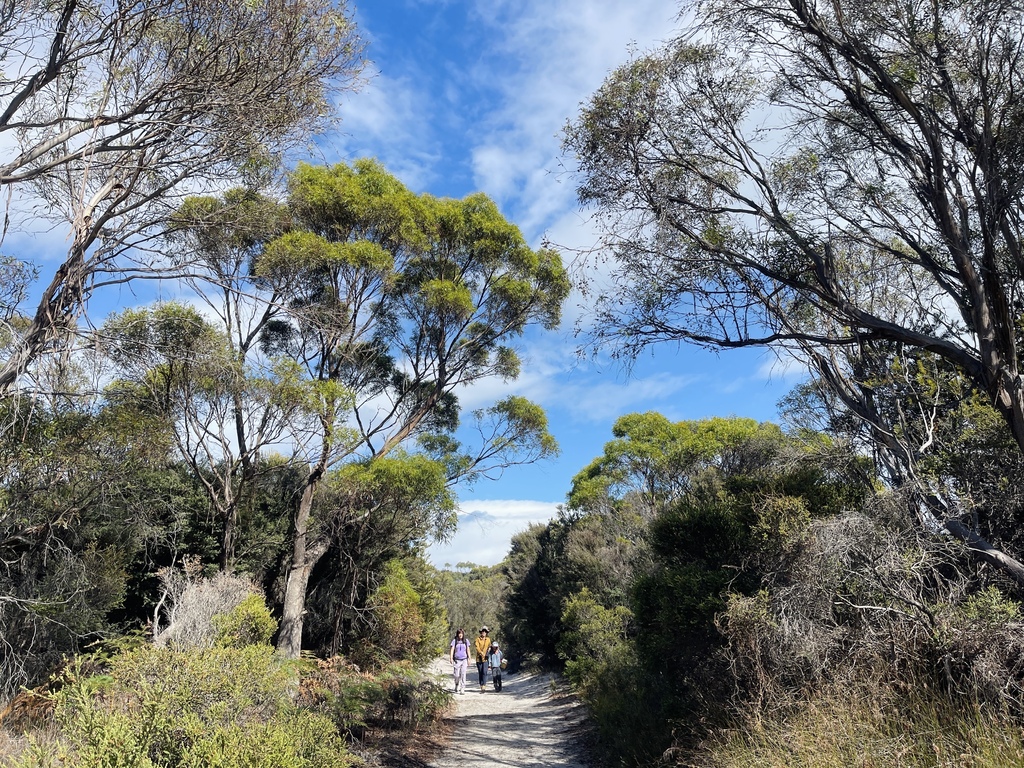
[(822, 177), (109, 111), (393, 303)]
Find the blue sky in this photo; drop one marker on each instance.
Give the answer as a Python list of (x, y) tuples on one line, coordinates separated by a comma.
[(468, 96)]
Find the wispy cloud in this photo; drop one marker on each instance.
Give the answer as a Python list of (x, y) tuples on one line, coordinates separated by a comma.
[(782, 367), (547, 60), (554, 376), (390, 118)]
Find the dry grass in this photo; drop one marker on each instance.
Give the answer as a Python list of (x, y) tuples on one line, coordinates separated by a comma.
[(865, 727)]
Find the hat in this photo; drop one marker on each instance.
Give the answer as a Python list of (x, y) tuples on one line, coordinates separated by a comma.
[(494, 644), (484, 629)]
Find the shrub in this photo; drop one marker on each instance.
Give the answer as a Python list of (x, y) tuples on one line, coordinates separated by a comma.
[(171, 708), (248, 623), (593, 637), (398, 698), (191, 603)]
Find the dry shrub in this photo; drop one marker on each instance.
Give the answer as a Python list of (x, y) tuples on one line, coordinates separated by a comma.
[(190, 603), (860, 593), (396, 698)]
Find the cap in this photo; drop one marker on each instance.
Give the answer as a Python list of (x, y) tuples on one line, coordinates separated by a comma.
[(484, 628), (494, 644)]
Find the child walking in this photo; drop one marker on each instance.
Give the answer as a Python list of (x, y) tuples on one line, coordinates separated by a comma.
[(494, 658)]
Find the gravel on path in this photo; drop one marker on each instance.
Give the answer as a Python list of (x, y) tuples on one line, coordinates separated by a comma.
[(526, 725)]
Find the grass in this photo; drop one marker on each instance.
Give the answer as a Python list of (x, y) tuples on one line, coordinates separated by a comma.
[(869, 728)]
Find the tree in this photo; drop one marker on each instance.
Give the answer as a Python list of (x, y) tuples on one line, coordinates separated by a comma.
[(113, 108), (89, 498), (395, 301), (655, 461), (225, 407), (933, 435), (819, 175)]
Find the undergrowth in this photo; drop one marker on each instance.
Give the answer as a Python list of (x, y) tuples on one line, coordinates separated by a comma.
[(869, 728), (223, 700)]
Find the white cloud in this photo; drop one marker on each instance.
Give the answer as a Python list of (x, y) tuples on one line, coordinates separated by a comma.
[(780, 366), (486, 528), (551, 57), (388, 119), (554, 376)]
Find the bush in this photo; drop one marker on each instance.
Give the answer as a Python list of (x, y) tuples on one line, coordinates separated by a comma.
[(398, 698), (593, 638), (191, 604), (167, 708), (248, 623), (868, 724)]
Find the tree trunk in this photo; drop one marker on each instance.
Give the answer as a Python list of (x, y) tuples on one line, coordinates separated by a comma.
[(229, 535), (54, 316), (305, 555)]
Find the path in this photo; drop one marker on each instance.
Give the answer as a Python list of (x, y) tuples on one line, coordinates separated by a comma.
[(526, 725)]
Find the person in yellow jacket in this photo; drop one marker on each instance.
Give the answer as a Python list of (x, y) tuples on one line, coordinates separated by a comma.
[(482, 646)]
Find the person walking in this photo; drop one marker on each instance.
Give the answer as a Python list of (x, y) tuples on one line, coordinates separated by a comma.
[(494, 661), (482, 645), (458, 655)]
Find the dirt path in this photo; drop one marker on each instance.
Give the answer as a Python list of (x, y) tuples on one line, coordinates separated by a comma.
[(525, 725)]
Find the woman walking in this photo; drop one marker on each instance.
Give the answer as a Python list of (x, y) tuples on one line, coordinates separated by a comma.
[(458, 655), (482, 646)]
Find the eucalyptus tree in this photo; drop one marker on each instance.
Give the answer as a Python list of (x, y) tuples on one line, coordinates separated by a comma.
[(832, 178), (110, 111), (819, 175), (224, 409), (395, 301)]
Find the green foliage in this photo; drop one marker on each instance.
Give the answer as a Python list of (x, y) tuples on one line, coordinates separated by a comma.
[(673, 524), (991, 607), (411, 485), (91, 498), (186, 709), (248, 623), (594, 638), (397, 697), (399, 625), (473, 595), (658, 461), (378, 512)]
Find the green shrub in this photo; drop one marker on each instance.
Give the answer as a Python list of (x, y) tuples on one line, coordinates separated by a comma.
[(248, 623), (287, 740), (201, 708), (399, 697), (592, 638)]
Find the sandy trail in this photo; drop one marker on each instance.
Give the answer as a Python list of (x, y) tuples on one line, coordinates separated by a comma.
[(525, 725)]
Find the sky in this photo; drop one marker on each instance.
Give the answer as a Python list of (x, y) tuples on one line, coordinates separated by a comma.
[(471, 96)]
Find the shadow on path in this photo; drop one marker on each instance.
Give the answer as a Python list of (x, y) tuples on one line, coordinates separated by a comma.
[(526, 725)]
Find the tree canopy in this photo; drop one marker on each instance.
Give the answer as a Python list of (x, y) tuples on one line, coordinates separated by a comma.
[(819, 176), (110, 110), (385, 303)]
